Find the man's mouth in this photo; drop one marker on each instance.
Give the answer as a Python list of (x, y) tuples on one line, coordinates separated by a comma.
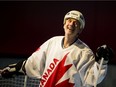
[(71, 28)]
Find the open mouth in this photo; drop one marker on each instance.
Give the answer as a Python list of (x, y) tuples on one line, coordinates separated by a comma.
[(71, 28)]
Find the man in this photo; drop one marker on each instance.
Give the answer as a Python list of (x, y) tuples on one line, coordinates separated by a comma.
[(65, 60)]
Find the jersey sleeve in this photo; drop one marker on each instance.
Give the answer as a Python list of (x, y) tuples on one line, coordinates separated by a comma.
[(36, 62), (89, 71)]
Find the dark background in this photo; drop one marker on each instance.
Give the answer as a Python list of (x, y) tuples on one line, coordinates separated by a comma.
[(25, 25)]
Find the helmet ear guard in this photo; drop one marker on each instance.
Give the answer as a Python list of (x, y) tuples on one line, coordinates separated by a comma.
[(76, 15)]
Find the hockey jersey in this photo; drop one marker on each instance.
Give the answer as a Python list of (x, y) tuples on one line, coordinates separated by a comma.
[(56, 66)]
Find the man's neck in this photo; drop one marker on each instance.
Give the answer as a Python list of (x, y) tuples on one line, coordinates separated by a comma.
[(68, 41)]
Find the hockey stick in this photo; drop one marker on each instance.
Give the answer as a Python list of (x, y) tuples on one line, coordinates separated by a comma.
[(101, 63), (25, 81)]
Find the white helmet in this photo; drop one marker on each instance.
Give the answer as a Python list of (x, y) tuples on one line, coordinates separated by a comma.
[(76, 15)]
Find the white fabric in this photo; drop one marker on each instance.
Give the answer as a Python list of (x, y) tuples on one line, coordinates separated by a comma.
[(79, 68)]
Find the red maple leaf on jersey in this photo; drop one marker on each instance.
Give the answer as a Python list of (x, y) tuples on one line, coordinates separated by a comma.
[(57, 75)]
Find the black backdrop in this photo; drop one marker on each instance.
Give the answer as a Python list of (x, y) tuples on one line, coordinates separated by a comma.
[(25, 25)]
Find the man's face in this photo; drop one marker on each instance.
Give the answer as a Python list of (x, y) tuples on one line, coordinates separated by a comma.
[(72, 27)]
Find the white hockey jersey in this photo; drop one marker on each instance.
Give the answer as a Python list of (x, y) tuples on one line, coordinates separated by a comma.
[(74, 66)]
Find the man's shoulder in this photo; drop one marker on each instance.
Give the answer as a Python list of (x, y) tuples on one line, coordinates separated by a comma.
[(82, 45)]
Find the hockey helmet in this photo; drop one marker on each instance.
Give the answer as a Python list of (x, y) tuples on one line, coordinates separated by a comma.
[(76, 15)]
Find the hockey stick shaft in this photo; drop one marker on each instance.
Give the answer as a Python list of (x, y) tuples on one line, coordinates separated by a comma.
[(101, 63)]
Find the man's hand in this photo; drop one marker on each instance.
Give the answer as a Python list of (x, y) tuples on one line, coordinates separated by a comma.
[(7, 72), (13, 69), (104, 52)]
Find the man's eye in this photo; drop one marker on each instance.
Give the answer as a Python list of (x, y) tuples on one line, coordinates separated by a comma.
[(69, 20), (76, 23)]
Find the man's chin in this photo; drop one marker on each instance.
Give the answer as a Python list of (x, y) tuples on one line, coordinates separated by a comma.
[(69, 33)]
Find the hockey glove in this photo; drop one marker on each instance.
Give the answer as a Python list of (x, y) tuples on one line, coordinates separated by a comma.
[(13, 69), (104, 52)]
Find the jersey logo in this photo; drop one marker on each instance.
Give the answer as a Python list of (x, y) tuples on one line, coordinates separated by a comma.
[(57, 74)]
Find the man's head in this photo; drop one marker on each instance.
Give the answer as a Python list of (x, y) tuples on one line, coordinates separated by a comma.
[(76, 15), (74, 23)]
